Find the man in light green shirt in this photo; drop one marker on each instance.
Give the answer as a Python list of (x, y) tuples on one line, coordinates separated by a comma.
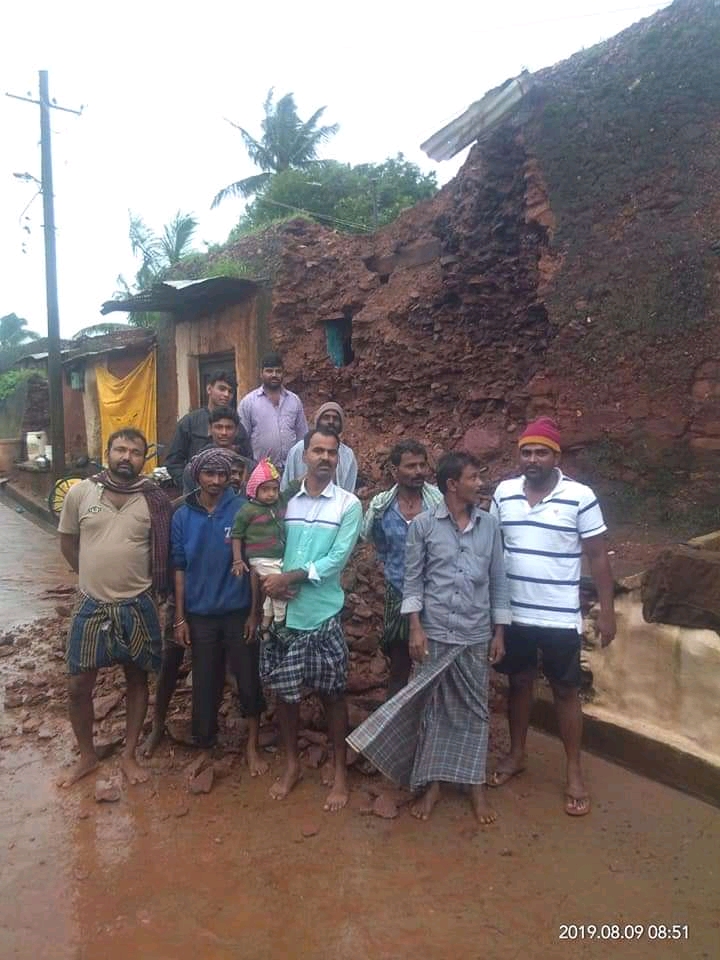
[(322, 525)]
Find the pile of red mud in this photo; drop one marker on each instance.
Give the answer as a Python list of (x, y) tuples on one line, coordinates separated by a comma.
[(35, 694)]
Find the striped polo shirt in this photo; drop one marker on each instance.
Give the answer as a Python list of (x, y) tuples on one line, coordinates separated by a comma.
[(543, 549)]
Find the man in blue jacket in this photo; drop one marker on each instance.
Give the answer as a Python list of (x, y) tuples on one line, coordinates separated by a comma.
[(212, 605)]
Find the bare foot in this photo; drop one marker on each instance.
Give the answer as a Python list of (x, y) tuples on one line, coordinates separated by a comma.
[(339, 795), (483, 811), (284, 784), (82, 768), (155, 738), (423, 807), (508, 768), (132, 769), (256, 765)]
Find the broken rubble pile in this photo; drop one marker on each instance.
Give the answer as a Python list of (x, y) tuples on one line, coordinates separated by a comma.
[(35, 687), (682, 588)]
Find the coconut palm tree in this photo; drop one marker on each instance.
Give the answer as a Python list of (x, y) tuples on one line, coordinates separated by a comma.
[(158, 252), (286, 142), (13, 332)]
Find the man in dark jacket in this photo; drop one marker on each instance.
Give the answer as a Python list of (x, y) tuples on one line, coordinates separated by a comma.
[(224, 425), (192, 433), (212, 605)]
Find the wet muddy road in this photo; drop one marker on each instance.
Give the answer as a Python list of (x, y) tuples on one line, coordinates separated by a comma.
[(232, 875), (30, 563), (235, 876)]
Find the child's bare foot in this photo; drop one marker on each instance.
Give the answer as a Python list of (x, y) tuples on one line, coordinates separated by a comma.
[(423, 807), (256, 765), (483, 811), (132, 769), (85, 765), (340, 793), (153, 741), (287, 782)]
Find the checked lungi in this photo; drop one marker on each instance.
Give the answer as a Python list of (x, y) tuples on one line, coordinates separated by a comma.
[(124, 631), (314, 659), (435, 728)]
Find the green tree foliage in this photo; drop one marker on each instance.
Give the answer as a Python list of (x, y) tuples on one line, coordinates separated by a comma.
[(286, 143), (353, 199), (14, 332), (158, 253), (10, 380)]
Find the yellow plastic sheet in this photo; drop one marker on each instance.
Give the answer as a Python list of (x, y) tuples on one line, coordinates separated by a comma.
[(129, 402)]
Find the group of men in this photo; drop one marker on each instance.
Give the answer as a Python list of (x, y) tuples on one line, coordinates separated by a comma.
[(466, 590)]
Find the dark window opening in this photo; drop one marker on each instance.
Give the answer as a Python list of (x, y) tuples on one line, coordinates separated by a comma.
[(338, 334)]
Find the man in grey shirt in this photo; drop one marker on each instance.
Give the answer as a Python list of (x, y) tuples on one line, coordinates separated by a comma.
[(456, 595)]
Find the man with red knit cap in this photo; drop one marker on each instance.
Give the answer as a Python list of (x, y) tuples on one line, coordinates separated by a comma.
[(548, 522)]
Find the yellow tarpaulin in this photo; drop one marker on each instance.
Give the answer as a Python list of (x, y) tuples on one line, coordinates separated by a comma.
[(129, 402)]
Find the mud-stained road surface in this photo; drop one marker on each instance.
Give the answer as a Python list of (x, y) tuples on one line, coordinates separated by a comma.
[(30, 563), (161, 874)]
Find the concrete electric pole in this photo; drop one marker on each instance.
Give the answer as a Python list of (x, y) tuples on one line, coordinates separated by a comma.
[(55, 374)]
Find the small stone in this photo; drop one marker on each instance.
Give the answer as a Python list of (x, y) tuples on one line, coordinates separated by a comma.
[(310, 829), (385, 807), (315, 756), (103, 705), (182, 811), (107, 791), (202, 782), (506, 852)]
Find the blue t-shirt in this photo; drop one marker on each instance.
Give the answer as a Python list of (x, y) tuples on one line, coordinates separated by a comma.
[(201, 546)]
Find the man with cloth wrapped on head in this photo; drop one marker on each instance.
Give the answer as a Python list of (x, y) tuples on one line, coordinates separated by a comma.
[(212, 605), (548, 522), (331, 415)]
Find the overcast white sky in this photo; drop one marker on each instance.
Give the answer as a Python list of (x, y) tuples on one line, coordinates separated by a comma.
[(157, 79)]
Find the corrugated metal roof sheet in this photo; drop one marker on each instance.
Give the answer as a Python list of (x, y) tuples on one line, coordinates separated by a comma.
[(109, 343), (479, 120), (186, 296)]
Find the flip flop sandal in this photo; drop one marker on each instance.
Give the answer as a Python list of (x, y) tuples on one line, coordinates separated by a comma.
[(577, 806)]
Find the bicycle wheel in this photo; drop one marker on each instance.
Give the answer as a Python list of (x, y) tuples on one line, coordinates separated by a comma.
[(57, 495)]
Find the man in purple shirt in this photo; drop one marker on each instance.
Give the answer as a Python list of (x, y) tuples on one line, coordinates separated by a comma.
[(273, 416)]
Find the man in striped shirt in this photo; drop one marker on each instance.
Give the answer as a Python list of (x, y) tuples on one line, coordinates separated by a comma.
[(548, 522)]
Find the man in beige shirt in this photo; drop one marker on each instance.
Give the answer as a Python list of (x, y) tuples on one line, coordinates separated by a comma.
[(114, 533)]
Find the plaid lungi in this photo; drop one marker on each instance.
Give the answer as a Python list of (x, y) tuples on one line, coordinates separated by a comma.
[(125, 631), (315, 659), (435, 728), (396, 627)]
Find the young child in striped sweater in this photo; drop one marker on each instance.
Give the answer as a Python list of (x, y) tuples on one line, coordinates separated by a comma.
[(258, 537)]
